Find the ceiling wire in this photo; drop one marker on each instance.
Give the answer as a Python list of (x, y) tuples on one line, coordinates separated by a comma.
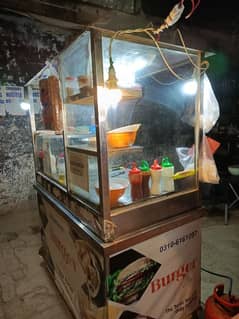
[(153, 34)]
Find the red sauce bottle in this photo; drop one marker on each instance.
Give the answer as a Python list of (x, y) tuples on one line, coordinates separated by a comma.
[(135, 178), (145, 171)]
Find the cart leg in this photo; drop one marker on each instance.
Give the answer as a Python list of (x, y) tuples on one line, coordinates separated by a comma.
[(226, 214)]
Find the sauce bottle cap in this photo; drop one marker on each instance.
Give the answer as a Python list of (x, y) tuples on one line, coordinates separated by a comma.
[(155, 165), (144, 166), (134, 169), (166, 162)]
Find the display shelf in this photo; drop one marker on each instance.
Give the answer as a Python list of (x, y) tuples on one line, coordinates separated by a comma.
[(48, 132), (80, 99), (126, 149), (85, 149), (127, 94), (91, 150)]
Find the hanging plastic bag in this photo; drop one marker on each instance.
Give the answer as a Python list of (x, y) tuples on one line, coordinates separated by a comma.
[(210, 107), (186, 157), (210, 110), (214, 145), (207, 167)]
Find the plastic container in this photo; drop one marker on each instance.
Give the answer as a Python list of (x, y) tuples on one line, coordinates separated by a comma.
[(40, 160), (117, 189), (71, 86), (155, 171), (167, 181), (135, 179), (61, 169), (123, 136), (145, 172)]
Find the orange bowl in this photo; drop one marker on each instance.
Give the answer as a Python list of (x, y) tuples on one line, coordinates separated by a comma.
[(122, 137), (117, 189)]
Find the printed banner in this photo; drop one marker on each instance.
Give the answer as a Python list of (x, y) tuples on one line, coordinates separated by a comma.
[(158, 278), (35, 98), (14, 97), (77, 266), (2, 101)]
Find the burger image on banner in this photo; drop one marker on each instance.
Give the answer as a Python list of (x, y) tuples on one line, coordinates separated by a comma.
[(128, 283)]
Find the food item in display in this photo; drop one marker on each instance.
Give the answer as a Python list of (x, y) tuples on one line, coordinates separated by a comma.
[(84, 85), (71, 86), (127, 285), (51, 103)]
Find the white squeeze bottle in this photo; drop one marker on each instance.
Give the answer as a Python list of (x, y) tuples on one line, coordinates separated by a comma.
[(167, 181), (155, 171)]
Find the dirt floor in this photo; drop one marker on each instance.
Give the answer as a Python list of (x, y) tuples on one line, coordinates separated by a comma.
[(27, 291)]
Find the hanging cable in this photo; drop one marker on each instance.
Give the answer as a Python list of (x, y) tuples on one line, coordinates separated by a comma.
[(153, 34), (220, 275), (201, 68)]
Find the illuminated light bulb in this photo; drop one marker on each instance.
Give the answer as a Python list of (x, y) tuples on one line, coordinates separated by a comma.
[(25, 106), (113, 96), (108, 97), (126, 71), (190, 87)]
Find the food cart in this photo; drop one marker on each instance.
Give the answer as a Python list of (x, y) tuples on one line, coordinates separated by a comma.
[(116, 176)]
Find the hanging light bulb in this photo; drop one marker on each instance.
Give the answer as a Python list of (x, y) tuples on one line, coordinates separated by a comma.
[(113, 93), (190, 87), (111, 83)]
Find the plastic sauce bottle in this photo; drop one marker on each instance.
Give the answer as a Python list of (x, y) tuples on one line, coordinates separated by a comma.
[(155, 171), (167, 181), (145, 172), (60, 165), (135, 178)]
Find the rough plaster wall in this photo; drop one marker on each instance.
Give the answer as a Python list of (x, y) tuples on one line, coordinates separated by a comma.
[(25, 46), (16, 161)]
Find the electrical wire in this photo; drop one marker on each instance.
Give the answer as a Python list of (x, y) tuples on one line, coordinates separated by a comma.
[(163, 83), (220, 275), (201, 68), (153, 34)]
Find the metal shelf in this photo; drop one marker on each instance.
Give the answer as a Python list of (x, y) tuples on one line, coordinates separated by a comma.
[(127, 94)]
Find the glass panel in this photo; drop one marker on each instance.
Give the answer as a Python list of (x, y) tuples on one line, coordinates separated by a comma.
[(47, 124), (80, 132), (83, 175), (153, 123), (50, 159), (45, 99)]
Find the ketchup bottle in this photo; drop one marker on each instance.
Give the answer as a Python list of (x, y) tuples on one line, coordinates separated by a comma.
[(135, 178), (145, 171), (155, 170)]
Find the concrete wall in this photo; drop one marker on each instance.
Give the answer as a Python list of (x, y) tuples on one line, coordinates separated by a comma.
[(25, 46)]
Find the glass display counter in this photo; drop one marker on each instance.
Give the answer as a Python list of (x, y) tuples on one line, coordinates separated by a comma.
[(116, 139), (120, 151)]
